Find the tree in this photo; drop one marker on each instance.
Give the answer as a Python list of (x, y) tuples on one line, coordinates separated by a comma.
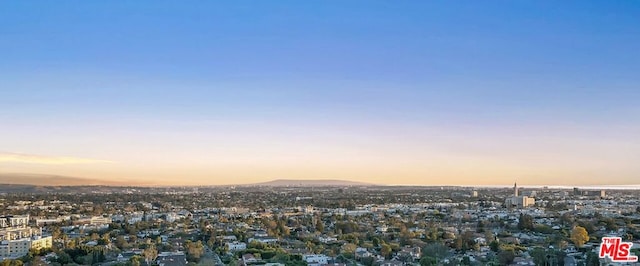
[(135, 260), (121, 243), (437, 251), (194, 250), (609, 223), (319, 226), (559, 256), (539, 256), (37, 261), (480, 227), (506, 257), (375, 241), (525, 222), (385, 250), (466, 260), (587, 225), (592, 259), (579, 236), (427, 261), (566, 218), (465, 241), (349, 248), (458, 243), (234, 262), (105, 239), (11, 263), (63, 258), (494, 245), (150, 253)]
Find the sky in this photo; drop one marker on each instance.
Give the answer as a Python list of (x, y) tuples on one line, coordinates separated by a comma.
[(386, 92)]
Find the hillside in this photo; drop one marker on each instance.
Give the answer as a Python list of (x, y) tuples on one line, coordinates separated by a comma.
[(310, 183)]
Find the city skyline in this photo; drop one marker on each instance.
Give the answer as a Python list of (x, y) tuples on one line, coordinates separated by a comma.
[(425, 93)]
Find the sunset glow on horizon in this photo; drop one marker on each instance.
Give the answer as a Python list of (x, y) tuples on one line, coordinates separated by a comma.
[(213, 93)]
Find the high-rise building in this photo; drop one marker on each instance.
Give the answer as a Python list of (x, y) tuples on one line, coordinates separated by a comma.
[(519, 201)]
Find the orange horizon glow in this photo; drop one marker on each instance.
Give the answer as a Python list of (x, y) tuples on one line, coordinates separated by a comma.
[(426, 157)]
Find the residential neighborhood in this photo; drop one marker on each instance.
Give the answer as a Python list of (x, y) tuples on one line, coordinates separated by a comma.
[(351, 225)]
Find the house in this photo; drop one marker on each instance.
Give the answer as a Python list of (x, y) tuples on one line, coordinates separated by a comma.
[(248, 258), (229, 238), (410, 252), (236, 246), (265, 240), (260, 233), (125, 256), (510, 240), (172, 259), (527, 261), (327, 239), (391, 263), (315, 259), (362, 253)]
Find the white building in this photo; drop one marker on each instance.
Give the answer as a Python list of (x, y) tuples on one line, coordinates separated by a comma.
[(316, 259), (100, 220), (14, 221), (236, 246), (229, 238), (135, 217), (265, 240), (171, 217), (519, 201), (327, 239), (16, 239)]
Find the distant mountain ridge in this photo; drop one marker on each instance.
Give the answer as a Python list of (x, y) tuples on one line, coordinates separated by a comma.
[(44, 180), (310, 183), (53, 180)]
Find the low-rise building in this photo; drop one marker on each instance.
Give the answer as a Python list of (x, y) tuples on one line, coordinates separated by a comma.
[(315, 259), (16, 239), (236, 246)]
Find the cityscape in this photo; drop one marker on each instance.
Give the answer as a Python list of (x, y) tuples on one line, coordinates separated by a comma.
[(314, 224), (319, 133)]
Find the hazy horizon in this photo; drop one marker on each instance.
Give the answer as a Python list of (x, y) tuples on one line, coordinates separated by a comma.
[(50, 180), (415, 92)]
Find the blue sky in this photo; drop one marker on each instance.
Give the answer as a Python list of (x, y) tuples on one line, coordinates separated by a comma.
[(469, 74)]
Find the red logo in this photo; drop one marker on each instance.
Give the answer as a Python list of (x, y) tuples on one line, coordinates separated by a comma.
[(618, 251)]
